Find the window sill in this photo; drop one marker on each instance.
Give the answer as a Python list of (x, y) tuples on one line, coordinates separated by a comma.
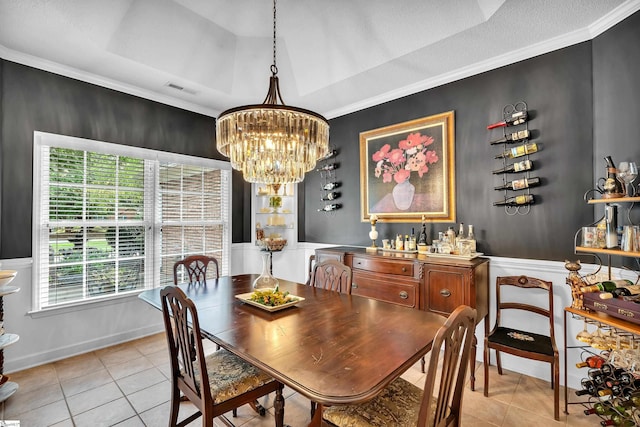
[(84, 305)]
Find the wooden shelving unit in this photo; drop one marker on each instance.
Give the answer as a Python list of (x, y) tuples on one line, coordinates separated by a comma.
[(6, 339)]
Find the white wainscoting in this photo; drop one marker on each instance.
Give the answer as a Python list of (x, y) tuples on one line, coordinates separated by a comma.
[(65, 333)]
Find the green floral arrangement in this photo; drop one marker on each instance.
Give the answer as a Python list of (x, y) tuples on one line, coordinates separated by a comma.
[(272, 297), (275, 201)]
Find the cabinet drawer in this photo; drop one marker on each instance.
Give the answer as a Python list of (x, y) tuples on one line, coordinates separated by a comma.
[(376, 287), (377, 265), (445, 290)]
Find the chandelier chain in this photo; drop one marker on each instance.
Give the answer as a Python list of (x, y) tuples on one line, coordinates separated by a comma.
[(274, 67)]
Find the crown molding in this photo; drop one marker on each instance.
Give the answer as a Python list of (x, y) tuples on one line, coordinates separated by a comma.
[(508, 58), (65, 71), (617, 15)]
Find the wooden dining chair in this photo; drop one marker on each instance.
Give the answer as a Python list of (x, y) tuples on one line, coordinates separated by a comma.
[(216, 383), (404, 404), (520, 342), (332, 275), (312, 262), (196, 267)]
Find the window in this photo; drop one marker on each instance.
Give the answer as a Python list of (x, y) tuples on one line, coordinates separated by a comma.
[(110, 220)]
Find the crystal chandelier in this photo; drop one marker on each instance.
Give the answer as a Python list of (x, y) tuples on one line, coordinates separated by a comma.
[(272, 143)]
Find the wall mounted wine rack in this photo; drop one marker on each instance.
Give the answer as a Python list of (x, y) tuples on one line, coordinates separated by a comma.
[(329, 183), (516, 165)]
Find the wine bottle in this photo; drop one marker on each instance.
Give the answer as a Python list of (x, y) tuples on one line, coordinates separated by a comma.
[(512, 137), (327, 167), (524, 199), (331, 207), (514, 119), (522, 166), (607, 286), (626, 291), (330, 153), (519, 151), (594, 361), (330, 186), (588, 387), (330, 196), (600, 408), (519, 184), (617, 419)]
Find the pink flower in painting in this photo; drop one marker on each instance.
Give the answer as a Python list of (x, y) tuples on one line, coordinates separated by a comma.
[(411, 155), (380, 155)]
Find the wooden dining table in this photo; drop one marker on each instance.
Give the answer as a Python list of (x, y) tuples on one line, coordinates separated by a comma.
[(332, 348)]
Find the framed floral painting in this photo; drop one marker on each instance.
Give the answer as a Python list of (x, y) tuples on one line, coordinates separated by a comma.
[(407, 170)]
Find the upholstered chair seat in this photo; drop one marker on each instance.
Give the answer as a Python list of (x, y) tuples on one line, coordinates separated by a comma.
[(230, 376), (397, 405)]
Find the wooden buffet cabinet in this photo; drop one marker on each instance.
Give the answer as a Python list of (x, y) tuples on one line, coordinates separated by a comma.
[(418, 281)]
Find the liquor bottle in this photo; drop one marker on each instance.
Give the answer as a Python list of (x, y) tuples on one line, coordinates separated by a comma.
[(327, 167), (412, 240), (514, 119), (451, 236), (519, 151), (422, 239), (607, 286), (330, 186), (407, 243), (524, 199), (399, 243), (522, 166), (331, 207), (512, 137), (330, 196), (471, 237), (519, 184), (594, 361), (461, 235), (611, 187)]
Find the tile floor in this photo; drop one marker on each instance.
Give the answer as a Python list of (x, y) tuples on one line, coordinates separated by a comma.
[(127, 385)]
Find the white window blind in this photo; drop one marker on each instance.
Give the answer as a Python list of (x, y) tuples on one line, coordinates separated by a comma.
[(193, 203), (111, 220)]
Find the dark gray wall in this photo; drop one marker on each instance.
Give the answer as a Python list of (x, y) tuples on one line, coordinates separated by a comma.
[(36, 100), (557, 88), (616, 97), (583, 101)]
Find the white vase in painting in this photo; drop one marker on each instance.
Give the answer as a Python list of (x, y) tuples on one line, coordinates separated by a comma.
[(403, 195)]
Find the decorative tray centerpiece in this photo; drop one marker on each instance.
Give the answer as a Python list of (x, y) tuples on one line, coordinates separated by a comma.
[(270, 299)]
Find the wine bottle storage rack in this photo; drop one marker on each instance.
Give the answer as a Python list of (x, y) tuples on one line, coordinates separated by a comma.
[(329, 184), (515, 137), (614, 391)]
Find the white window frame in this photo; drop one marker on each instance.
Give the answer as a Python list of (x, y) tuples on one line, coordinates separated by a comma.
[(153, 159)]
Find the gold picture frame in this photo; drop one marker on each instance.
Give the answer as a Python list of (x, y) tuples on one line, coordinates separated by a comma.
[(418, 153)]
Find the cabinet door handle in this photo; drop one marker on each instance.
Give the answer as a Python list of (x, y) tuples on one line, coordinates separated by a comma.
[(445, 293), (354, 286), (404, 295)]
